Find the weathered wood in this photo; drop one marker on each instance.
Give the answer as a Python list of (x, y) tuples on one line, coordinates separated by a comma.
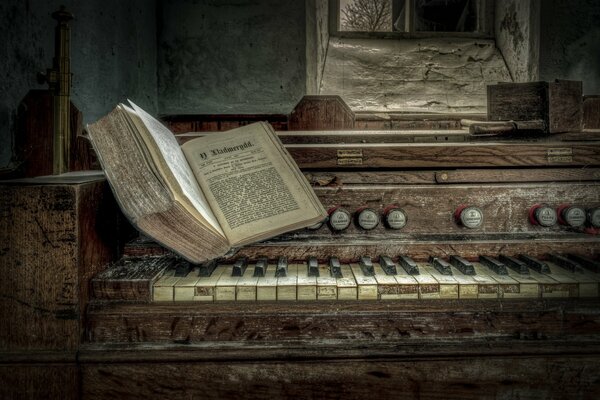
[(517, 175), (446, 155), (406, 320), (29, 380), (321, 112), (220, 122), (558, 104), (591, 112), (54, 237)]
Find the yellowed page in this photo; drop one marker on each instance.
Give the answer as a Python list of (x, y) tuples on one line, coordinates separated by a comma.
[(252, 184)]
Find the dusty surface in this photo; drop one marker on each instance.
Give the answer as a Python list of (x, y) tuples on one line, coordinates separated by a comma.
[(415, 75)]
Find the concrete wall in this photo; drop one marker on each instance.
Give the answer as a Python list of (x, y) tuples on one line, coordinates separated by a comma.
[(235, 56), (113, 55), (317, 39), (517, 37), (570, 42)]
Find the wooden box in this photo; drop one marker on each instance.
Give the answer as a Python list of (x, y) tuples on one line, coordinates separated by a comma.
[(557, 104)]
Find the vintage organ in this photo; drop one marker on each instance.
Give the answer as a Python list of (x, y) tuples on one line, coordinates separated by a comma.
[(451, 264)]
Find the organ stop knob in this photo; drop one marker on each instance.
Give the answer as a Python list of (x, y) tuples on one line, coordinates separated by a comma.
[(593, 217), (571, 216), (367, 218), (469, 216), (543, 215), (339, 218), (395, 217)]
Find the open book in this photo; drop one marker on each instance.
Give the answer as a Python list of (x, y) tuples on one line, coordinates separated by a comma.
[(213, 193)]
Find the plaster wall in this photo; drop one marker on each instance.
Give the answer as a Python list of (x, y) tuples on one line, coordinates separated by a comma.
[(113, 56), (517, 37), (317, 39), (570, 42), (235, 56)]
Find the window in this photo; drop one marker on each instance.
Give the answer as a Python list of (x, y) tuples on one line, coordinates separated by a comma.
[(412, 16)]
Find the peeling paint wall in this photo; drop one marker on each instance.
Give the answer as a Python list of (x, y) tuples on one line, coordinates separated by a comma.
[(517, 37), (317, 38), (113, 55), (570, 42), (235, 56)]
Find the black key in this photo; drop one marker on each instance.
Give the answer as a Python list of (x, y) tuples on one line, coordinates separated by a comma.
[(282, 267), (565, 263), (239, 267), (493, 264), (585, 262), (515, 264), (462, 265), (535, 264), (207, 268), (367, 266), (183, 268), (441, 265), (260, 268), (313, 266), (335, 269), (387, 265), (409, 265)]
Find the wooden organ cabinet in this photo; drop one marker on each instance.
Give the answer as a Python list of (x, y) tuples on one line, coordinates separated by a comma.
[(452, 265)]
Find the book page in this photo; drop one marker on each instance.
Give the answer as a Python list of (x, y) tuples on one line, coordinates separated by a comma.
[(253, 185), (168, 156)]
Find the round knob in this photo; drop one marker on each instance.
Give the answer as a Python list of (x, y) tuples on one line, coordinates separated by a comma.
[(470, 217), (367, 218), (542, 215), (571, 216), (339, 219), (593, 217), (316, 226), (395, 217)]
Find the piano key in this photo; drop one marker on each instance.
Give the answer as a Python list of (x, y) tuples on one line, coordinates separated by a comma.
[(239, 267), (207, 268), (534, 263), (286, 285), (515, 264), (184, 289), (585, 262), (429, 287), (487, 287), (462, 265), (225, 287), (335, 269), (409, 265), (326, 284), (261, 266), (366, 265), (408, 287), (565, 263), (555, 286), (282, 267), (387, 265), (163, 288), (205, 286), (440, 265), (387, 285), (346, 285), (528, 286), (448, 285), (493, 264), (183, 268), (313, 266), (266, 287), (367, 285), (306, 285), (507, 287), (467, 287), (586, 281), (245, 290)]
